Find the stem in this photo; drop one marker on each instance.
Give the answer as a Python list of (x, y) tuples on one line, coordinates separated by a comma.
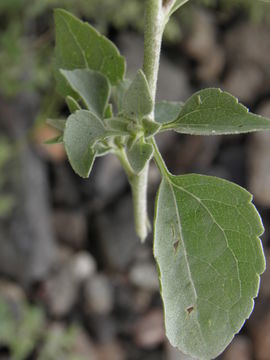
[(154, 25), (159, 160)]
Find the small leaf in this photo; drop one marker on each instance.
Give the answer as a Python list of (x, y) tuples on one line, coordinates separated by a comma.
[(72, 104), (214, 112), (109, 111), (119, 93), (150, 128), (118, 124), (58, 124), (177, 4), (137, 101), (56, 140), (91, 86), (139, 155), (80, 46), (83, 130), (167, 111), (209, 255)]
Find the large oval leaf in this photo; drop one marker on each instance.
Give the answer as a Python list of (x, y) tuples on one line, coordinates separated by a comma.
[(209, 255), (214, 112), (79, 46)]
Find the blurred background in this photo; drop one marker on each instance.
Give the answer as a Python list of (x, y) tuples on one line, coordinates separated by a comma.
[(75, 282)]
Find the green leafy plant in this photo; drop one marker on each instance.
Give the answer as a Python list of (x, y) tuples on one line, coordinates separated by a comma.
[(23, 330), (206, 230)]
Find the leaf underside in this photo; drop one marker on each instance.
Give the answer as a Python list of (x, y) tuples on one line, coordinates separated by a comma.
[(167, 111), (209, 256), (80, 46), (214, 112), (83, 129)]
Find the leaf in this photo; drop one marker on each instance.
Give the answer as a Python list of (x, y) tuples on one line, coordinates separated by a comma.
[(119, 93), (209, 255), (83, 130), (72, 104), (167, 111), (118, 124), (214, 112), (80, 46), (56, 140), (139, 155), (150, 127), (137, 101), (58, 124), (177, 4), (91, 86), (108, 111)]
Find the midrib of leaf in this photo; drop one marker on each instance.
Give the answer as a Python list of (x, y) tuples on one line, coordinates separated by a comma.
[(76, 41)]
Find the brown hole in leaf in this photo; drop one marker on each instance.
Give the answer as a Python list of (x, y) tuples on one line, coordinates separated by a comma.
[(190, 309), (175, 245)]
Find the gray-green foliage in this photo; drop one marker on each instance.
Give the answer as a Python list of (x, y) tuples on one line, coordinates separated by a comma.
[(23, 329), (206, 230)]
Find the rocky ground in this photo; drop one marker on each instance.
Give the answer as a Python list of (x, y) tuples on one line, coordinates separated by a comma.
[(69, 246)]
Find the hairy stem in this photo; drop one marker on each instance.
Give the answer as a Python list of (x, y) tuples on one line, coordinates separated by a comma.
[(154, 24)]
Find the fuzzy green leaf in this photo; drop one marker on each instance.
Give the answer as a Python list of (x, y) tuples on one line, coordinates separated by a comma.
[(137, 101), (72, 104), (209, 255), (150, 127), (214, 112), (83, 130), (118, 125), (139, 155), (92, 87), (80, 46), (167, 111)]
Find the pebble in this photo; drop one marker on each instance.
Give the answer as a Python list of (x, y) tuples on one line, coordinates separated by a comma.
[(239, 349), (149, 330), (98, 295), (70, 227), (144, 276)]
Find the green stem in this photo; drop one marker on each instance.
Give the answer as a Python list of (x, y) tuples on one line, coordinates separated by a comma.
[(159, 160), (154, 24)]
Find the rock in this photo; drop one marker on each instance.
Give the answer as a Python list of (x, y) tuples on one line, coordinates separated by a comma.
[(259, 329), (98, 295), (244, 81), (70, 227), (83, 266), (259, 162), (84, 347), (61, 293), (65, 191), (117, 240), (202, 46), (109, 179), (111, 350), (265, 279), (11, 291), (26, 238), (144, 276), (239, 349), (239, 52), (173, 82), (149, 331)]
